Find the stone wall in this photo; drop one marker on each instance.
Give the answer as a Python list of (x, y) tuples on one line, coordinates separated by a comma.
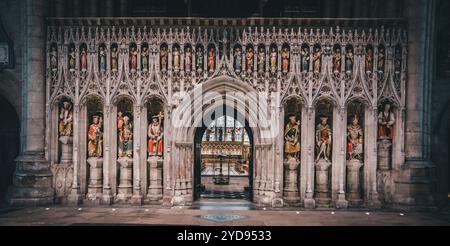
[(10, 79), (411, 183)]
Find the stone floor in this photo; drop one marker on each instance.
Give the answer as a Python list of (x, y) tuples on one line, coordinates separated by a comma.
[(237, 188), (214, 212)]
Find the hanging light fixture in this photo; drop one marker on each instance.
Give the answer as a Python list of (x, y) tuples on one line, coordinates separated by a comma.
[(6, 49)]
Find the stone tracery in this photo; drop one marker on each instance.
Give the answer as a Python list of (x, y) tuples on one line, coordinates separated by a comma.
[(141, 62)]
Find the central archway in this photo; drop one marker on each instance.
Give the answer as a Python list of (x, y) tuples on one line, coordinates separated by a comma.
[(193, 113), (198, 160)]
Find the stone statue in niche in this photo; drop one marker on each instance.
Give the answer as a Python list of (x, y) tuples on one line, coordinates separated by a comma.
[(386, 121), (381, 59), (355, 140), (95, 136), (349, 58), (164, 58), (102, 58), (273, 60), (114, 59), (144, 58), (369, 60), (305, 58), (355, 157), (65, 119), (65, 130), (211, 59), (237, 59), (72, 58), (176, 59), (249, 59), (133, 58), (199, 59), (261, 60), (337, 60), (285, 60), (155, 135), (323, 139), (83, 59), (188, 59), (292, 138), (53, 58), (125, 128), (317, 59)]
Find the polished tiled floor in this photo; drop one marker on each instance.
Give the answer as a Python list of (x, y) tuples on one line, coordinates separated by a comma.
[(213, 212), (236, 189)]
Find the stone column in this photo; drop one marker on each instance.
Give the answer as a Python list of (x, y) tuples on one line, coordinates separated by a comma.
[(415, 184), (308, 158), (371, 159), (137, 195), (167, 168), (107, 197), (338, 156), (32, 183)]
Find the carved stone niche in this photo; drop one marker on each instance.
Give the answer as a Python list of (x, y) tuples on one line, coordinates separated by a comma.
[(155, 189), (126, 178), (386, 132), (290, 192)]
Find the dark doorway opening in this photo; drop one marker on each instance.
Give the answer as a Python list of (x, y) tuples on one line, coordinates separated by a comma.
[(9, 146), (223, 160)]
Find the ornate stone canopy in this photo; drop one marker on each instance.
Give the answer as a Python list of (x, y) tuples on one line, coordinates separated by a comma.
[(144, 60)]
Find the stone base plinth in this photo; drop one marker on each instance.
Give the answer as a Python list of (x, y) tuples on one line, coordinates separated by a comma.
[(107, 198), (137, 200), (125, 188), (155, 188), (353, 182), (95, 187), (384, 154), (341, 202), (309, 202), (291, 193), (322, 190), (415, 186), (32, 181), (181, 200), (66, 149)]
